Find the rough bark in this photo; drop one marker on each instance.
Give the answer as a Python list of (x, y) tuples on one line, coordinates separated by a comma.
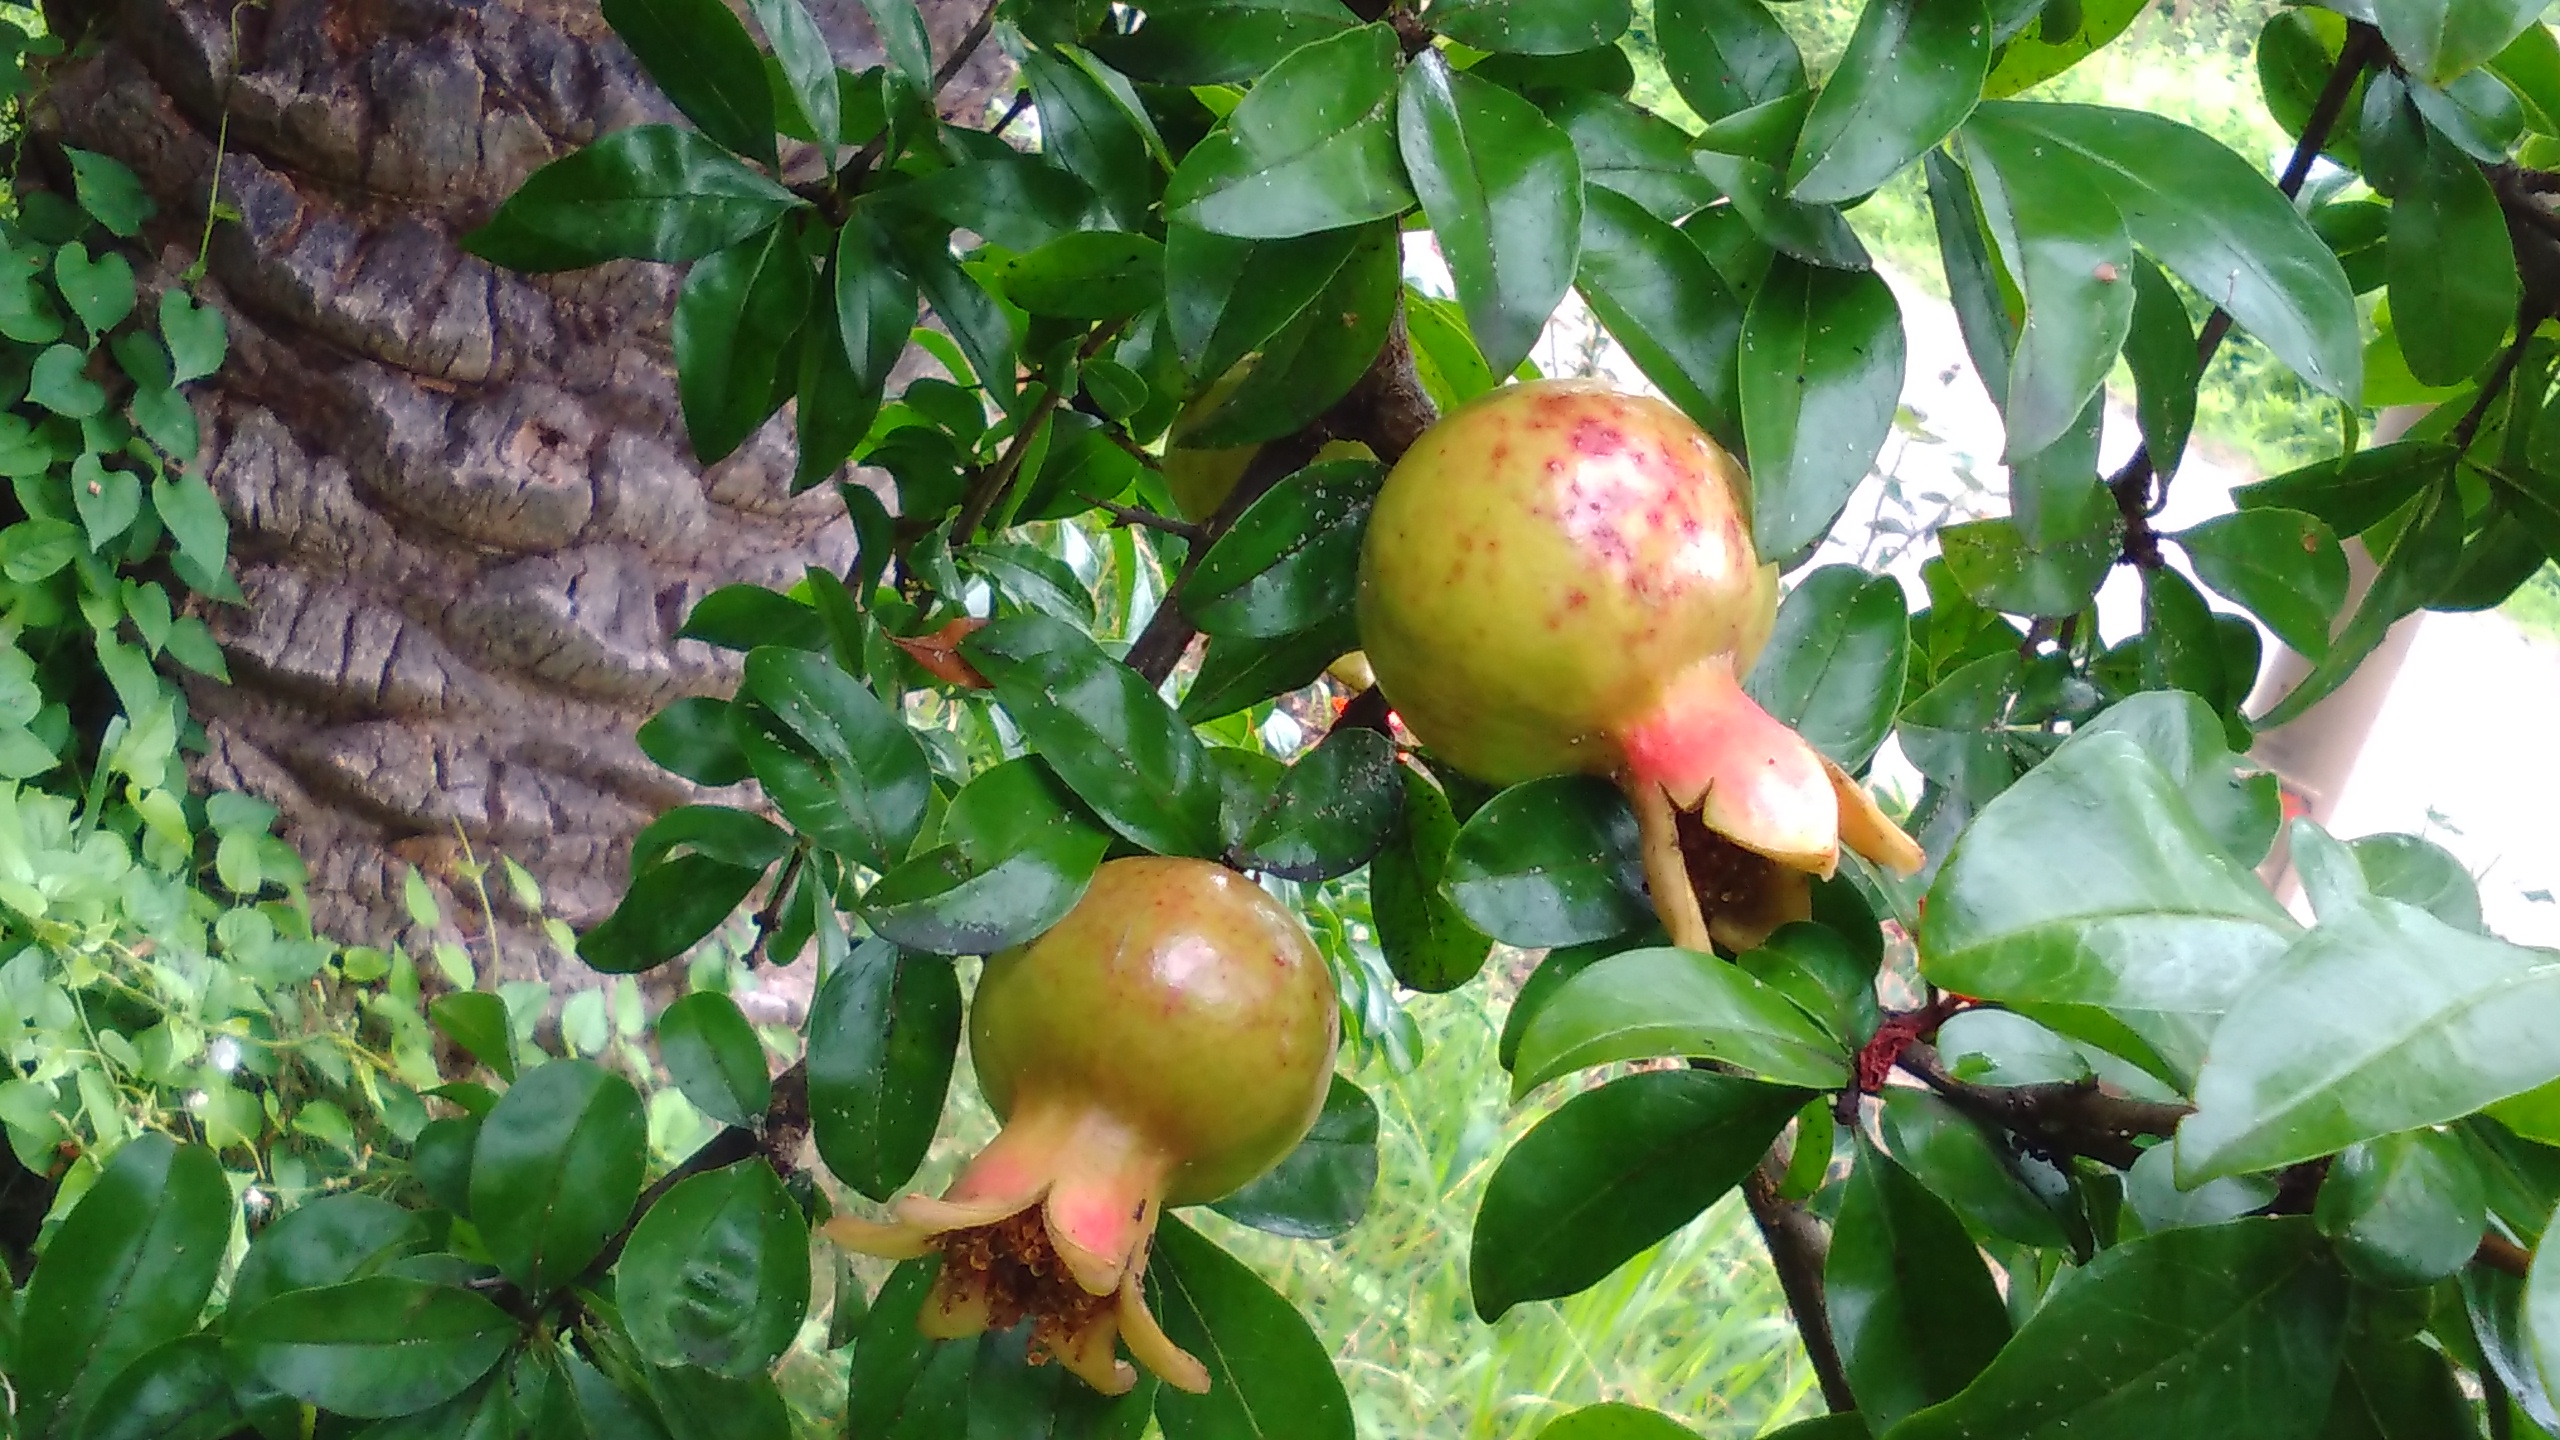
[(465, 517)]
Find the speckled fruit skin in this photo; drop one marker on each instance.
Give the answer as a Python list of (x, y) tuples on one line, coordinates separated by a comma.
[(1542, 562), (1179, 998)]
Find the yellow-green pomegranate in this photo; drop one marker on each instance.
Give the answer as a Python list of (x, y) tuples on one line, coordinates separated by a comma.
[(1166, 1043), (1559, 579)]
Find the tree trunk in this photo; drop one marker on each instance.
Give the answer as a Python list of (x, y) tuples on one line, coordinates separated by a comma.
[(465, 516)]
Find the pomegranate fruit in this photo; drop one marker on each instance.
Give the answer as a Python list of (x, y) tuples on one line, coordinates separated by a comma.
[(1559, 578), (1168, 1041)]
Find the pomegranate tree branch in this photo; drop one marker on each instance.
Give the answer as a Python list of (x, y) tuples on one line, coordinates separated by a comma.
[(1798, 1249), (2061, 1118), (2133, 484)]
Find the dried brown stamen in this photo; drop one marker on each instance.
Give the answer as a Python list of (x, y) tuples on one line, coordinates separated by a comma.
[(1015, 1268), (1726, 876)]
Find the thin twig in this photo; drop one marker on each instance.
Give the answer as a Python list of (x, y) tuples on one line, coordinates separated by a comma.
[(970, 40), (2132, 483), (2501, 1254), (2528, 319), (1145, 519), (999, 477), (1798, 1249)]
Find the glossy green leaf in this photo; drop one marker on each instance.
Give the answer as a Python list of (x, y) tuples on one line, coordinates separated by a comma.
[(1626, 148), (1911, 1305), (1312, 147), (1021, 202), (653, 192), (2450, 260), (1269, 1376), (712, 1054), (2036, 55), (99, 290), (1610, 1174), (1645, 1004), (1981, 1178), (2440, 39), (1428, 941), (1502, 189), (1833, 668), (2283, 565), (2212, 219), (873, 782), (1974, 284), (477, 1021), (2091, 882), (701, 58), (1561, 964), (1236, 672), (2381, 1019), (882, 1034), (2496, 1307), (1551, 862), (323, 1241), (2416, 871), (1087, 275), (1291, 561), (2062, 238), (441, 1159), (2417, 561), (2235, 801), (1226, 297), (1726, 55), (717, 1272), (2392, 1388), (1018, 854), (1822, 359), (2001, 570), (1614, 1420), (383, 1345), (668, 909), (127, 1271), (197, 336), (179, 1391), (1314, 360), (2355, 492), (1320, 1189), (1221, 42), (1815, 234), (2231, 1330), (985, 333), (742, 617), (1823, 973), (735, 318), (1661, 299), (1910, 75), (555, 1171), (718, 831), (801, 60), (2153, 1201), (1532, 27), (2404, 1210), (1105, 731), (1332, 812)]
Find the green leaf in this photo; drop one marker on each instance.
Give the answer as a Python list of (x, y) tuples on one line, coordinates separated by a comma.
[(477, 1021), (2440, 39), (1087, 121), (1269, 1376), (900, 26), (2393, 1388), (127, 1270), (1815, 234), (882, 1033), (2090, 882), (1532, 27), (1227, 297), (2234, 801), (2001, 570), (2283, 565), (2238, 1322), (2036, 55), (1021, 202), (1661, 299), (1822, 358), (1833, 668), (111, 194), (735, 319), (1626, 148), (712, 1054), (2419, 872), (668, 909), (1312, 147), (1726, 55), (1315, 359), (844, 365), (2212, 219), (2418, 561), (196, 334), (180, 1391), (1911, 1305), (2356, 492), (2495, 1305), (718, 831), (1978, 1177), (717, 1272), (1221, 42), (2450, 261), (99, 291), (1087, 275), (2062, 238), (702, 59), (323, 1241), (59, 383), (1236, 672), (108, 500), (2381, 1019), (1428, 941), (1909, 77), (383, 1345), (555, 1171), (1331, 813), (1974, 283), (1019, 852), (1104, 729), (1320, 1189), (1644, 1004), (1610, 1174), (1615, 1420), (1502, 189), (800, 56), (1291, 561), (742, 616), (653, 192), (2405, 1210), (2160, 350), (1551, 862), (876, 783)]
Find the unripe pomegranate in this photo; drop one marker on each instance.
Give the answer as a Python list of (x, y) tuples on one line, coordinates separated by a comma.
[(1166, 1043), (1559, 579)]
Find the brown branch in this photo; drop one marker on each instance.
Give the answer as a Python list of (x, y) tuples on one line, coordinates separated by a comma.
[(2503, 1255), (996, 479), (2132, 484), (1144, 519), (970, 39), (2060, 1118), (1798, 1249), (2465, 430)]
